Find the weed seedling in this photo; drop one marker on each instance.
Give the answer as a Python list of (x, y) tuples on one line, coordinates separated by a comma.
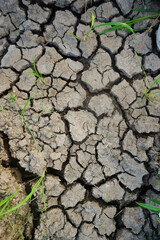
[(5, 208), (86, 36), (1, 109), (13, 100), (35, 73), (148, 93), (152, 207), (117, 25)]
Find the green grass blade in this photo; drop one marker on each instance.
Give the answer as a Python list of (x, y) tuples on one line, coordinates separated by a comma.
[(145, 10), (26, 104), (140, 64), (34, 65), (6, 201), (93, 20), (3, 208), (141, 19), (23, 119), (156, 81), (33, 73), (44, 202), (150, 207), (119, 24), (155, 201), (137, 29), (8, 198), (29, 196), (10, 223), (81, 39), (155, 99), (152, 93)]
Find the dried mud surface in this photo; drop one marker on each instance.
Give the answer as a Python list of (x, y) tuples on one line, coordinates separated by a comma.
[(98, 135)]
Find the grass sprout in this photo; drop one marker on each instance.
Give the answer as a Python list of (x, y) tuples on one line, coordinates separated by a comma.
[(117, 25), (152, 207), (1, 109), (13, 100), (35, 73), (145, 10), (5, 210), (148, 92), (88, 33), (6, 206)]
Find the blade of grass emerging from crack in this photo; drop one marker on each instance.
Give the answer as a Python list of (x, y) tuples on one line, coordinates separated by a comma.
[(150, 207), (155, 201), (118, 24), (26, 199), (6, 202), (26, 104), (91, 28), (13, 98), (39, 78), (23, 119), (147, 92), (88, 33), (36, 73), (120, 27), (43, 196), (145, 10)]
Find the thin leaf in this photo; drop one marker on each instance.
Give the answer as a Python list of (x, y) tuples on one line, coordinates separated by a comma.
[(145, 10), (124, 25), (6, 202), (150, 207), (34, 65), (140, 64), (152, 93), (76, 37), (156, 81), (23, 119), (26, 104), (10, 223), (155, 201), (93, 20), (33, 73), (155, 99), (44, 202), (141, 19), (29, 196)]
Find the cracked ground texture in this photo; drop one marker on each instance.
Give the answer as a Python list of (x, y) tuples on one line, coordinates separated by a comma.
[(98, 135)]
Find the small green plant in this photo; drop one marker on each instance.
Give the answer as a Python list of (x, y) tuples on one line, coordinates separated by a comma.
[(35, 73), (1, 109), (148, 93), (152, 207), (86, 36), (117, 25), (6, 205), (13, 100), (4, 209)]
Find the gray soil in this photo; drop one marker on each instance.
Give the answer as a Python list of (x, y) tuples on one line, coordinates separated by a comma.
[(97, 133)]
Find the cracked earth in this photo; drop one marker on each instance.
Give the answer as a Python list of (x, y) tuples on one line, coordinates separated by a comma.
[(97, 133)]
